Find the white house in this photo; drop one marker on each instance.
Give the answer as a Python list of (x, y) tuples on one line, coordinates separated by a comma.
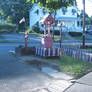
[(66, 15)]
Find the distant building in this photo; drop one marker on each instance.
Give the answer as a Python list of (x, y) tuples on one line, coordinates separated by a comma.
[(66, 15)]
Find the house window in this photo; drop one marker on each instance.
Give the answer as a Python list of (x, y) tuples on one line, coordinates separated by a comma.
[(78, 23), (73, 11), (64, 10), (37, 12)]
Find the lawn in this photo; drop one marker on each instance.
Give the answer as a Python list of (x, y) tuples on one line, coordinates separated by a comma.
[(78, 37), (2, 38), (74, 67), (57, 38), (89, 49)]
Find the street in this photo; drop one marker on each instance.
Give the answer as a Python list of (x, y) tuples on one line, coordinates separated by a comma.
[(17, 76)]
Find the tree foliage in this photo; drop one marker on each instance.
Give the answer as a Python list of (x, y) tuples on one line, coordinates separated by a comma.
[(53, 5), (16, 9), (87, 18)]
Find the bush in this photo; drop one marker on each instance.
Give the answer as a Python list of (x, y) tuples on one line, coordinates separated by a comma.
[(8, 28), (29, 30), (75, 33), (36, 29), (57, 32), (41, 32)]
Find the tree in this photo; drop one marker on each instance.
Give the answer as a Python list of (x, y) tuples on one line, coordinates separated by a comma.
[(16, 9), (91, 20), (87, 18), (53, 5)]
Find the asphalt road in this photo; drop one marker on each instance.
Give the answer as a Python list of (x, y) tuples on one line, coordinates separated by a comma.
[(18, 76), (36, 41)]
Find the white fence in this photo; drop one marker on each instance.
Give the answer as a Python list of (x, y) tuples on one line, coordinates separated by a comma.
[(47, 52), (78, 53)]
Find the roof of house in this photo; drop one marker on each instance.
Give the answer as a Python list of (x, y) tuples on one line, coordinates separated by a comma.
[(47, 18)]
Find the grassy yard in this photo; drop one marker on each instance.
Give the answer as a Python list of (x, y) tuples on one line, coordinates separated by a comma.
[(2, 38), (90, 49), (57, 38), (74, 67), (78, 37)]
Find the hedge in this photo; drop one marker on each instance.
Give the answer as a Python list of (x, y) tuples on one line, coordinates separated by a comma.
[(57, 32), (8, 28), (36, 29), (75, 33)]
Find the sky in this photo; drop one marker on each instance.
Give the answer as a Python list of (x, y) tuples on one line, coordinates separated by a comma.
[(88, 6)]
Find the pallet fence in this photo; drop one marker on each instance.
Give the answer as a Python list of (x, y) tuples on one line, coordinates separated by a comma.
[(47, 52), (69, 51), (77, 53)]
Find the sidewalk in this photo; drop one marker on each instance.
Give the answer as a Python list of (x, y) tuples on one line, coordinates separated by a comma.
[(63, 83), (84, 84)]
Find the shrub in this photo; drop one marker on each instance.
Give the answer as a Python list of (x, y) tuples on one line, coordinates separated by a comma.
[(29, 30), (57, 32), (75, 33), (8, 28), (42, 32), (36, 29)]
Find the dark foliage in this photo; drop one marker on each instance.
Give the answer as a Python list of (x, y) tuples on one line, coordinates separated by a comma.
[(75, 33)]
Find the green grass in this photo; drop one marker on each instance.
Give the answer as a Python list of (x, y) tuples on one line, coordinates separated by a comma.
[(73, 67), (90, 49), (78, 37), (2, 38), (57, 38)]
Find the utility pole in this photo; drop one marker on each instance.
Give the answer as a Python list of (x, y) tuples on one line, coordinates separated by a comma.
[(60, 27), (83, 43)]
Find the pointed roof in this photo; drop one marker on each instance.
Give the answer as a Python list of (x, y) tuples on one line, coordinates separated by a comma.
[(47, 18)]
